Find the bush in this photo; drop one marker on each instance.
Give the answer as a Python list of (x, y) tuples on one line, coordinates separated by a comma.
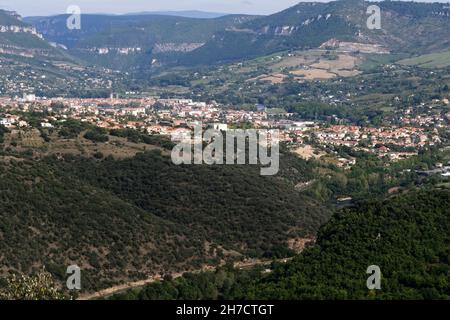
[(96, 135)]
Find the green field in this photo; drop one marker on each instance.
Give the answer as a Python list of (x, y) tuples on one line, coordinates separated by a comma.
[(433, 60), (372, 62)]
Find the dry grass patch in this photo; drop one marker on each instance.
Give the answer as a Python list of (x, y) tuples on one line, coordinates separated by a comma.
[(313, 74)]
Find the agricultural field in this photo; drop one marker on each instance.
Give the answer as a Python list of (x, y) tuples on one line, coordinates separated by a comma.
[(309, 65), (433, 60)]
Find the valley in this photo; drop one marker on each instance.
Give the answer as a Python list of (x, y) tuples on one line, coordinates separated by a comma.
[(359, 124)]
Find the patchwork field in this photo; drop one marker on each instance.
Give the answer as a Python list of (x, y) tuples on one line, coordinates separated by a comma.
[(310, 65), (312, 74), (274, 78)]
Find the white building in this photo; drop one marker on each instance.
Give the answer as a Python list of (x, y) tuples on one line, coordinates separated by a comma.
[(220, 126)]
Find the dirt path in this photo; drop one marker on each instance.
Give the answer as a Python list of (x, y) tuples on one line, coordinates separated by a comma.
[(123, 287), (137, 284)]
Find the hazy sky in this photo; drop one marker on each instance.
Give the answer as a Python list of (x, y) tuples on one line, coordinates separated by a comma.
[(47, 7)]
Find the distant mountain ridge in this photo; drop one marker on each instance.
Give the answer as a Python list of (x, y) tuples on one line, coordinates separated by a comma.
[(197, 14), (10, 17), (132, 41), (141, 41), (406, 27), (20, 38)]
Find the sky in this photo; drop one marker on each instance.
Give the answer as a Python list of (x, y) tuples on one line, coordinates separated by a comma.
[(47, 7), (50, 7)]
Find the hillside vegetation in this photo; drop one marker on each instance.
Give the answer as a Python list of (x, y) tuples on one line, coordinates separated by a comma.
[(128, 219), (407, 27), (406, 236)]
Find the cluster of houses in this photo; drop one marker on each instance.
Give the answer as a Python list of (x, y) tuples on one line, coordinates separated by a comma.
[(427, 118), (12, 121), (20, 29), (379, 140), (177, 117), (121, 51)]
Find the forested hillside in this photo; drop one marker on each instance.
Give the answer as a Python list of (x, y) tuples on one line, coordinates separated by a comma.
[(129, 219), (143, 30), (132, 41), (209, 199), (406, 236), (22, 37), (50, 220), (407, 27)]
